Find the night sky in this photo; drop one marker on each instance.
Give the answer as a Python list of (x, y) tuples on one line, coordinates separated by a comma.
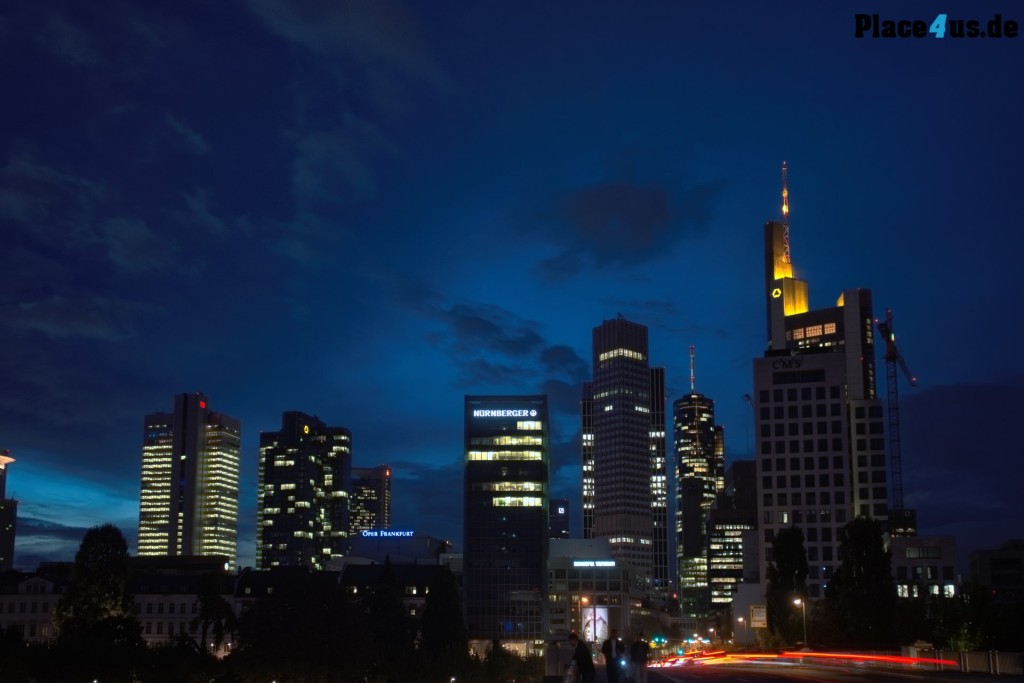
[(366, 210)]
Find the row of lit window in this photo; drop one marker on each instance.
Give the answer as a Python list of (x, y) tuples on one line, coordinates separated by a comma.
[(505, 455), (623, 353), (518, 501)]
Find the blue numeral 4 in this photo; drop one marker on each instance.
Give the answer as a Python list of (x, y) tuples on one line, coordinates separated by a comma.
[(938, 26)]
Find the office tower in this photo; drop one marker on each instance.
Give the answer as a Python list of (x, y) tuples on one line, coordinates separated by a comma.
[(558, 518), (370, 501), (700, 473), (8, 515), (188, 503), (302, 513), (819, 438), (505, 517), (625, 487), (732, 518)]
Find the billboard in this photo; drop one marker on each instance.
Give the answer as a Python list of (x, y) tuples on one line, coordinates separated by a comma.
[(758, 616)]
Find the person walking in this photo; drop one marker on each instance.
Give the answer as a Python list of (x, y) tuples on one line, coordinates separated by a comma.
[(582, 658), (612, 649), (638, 654)]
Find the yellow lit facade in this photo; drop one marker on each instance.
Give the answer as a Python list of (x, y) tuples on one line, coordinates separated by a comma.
[(188, 501)]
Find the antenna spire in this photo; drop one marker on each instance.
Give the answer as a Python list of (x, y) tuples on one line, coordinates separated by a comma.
[(785, 214), (693, 372)]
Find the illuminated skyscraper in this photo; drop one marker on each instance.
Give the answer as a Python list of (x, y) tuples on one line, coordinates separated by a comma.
[(302, 512), (371, 498), (820, 441), (188, 503), (506, 517), (8, 515), (625, 486), (700, 471)]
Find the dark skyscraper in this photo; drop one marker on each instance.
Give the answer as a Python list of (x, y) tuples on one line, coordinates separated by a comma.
[(506, 517), (700, 473), (8, 515), (820, 442), (303, 499), (188, 504), (558, 518), (370, 501), (625, 487)]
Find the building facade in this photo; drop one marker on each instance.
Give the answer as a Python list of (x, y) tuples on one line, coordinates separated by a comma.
[(505, 517), (302, 513), (700, 473), (370, 499), (188, 504), (8, 515), (625, 482), (819, 423), (558, 518)]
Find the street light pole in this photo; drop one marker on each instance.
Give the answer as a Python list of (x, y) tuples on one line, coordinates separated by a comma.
[(743, 623), (803, 610)]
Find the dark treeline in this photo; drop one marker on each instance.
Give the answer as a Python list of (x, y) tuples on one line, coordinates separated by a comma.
[(303, 633), (861, 610)]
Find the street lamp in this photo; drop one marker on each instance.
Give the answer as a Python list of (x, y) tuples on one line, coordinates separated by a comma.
[(743, 623), (803, 608), (711, 635)]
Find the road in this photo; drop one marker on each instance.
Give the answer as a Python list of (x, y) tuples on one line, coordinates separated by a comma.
[(795, 673)]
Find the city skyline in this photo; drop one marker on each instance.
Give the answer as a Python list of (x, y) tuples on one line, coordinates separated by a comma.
[(365, 212)]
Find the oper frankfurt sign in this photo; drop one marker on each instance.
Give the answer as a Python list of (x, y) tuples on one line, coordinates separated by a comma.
[(386, 533)]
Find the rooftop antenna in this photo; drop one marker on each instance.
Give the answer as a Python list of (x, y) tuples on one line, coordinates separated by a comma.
[(693, 372), (785, 214)]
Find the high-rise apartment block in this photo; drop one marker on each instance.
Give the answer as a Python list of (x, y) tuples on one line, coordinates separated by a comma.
[(8, 515), (188, 503), (505, 517), (370, 500), (625, 485), (305, 475), (820, 443)]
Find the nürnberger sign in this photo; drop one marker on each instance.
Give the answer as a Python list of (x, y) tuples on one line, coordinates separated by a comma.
[(519, 412)]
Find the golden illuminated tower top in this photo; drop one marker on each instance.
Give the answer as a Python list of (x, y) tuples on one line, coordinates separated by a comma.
[(785, 214)]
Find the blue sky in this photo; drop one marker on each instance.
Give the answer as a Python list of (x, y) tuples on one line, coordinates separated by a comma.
[(365, 211)]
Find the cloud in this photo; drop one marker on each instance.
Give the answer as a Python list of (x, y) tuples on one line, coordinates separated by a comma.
[(82, 317), (30, 190), (422, 498), (371, 33), (134, 247), (63, 39), (198, 213), (490, 328), (621, 224), (192, 138)]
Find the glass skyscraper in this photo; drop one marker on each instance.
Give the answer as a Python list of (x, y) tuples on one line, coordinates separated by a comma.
[(506, 517), (305, 472), (188, 503)]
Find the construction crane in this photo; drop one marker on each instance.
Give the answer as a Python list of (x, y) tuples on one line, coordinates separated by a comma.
[(894, 358)]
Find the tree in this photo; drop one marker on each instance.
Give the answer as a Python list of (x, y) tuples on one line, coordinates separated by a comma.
[(862, 592), (444, 642), (97, 598), (97, 629), (787, 580), (215, 613)]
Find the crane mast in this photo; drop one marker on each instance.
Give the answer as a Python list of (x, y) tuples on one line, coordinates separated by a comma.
[(894, 358)]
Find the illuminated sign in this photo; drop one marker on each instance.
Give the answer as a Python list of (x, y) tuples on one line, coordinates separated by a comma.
[(521, 412), (776, 293), (386, 533), (758, 616), (305, 429), (561, 511), (593, 563)]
